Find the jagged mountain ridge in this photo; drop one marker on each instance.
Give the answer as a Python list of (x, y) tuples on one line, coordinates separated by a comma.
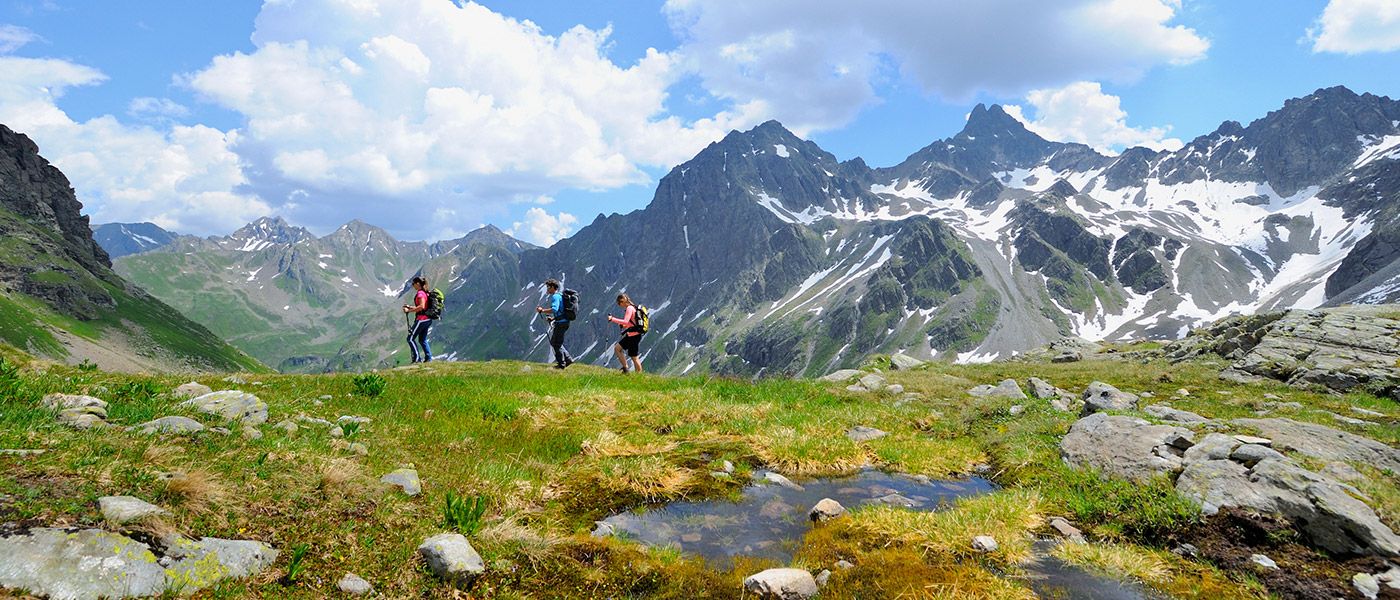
[(59, 297), (122, 239), (764, 254)]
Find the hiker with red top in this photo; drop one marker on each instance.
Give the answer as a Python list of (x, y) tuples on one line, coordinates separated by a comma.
[(418, 331), (634, 324)]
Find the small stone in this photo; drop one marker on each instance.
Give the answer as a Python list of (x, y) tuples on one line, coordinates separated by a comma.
[(337, 432), (823, 577), (125, 509), (354, 585), (894, 389), (844, 564), (451, 557), (174, 424), (602, 529), (1272, 397), (861, 433), (1016, 409), (324, 397), (1252, 454), (1249, 439), (1187, 551), (358, 449), (1366, 585), (21, 452), (1263, 562), (404, 479), (782, 584), (252, 433), (192, 389), (898, 500), (220, 430), (1066, 529), (728, 467), (353, 419), (286, 426), (314, 421), (872, 382), (1183, 392), (984, 544), (775, 478), (825, 510)]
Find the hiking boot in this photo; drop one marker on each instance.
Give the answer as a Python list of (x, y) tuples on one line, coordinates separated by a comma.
[(560, 366), (624, 370), (568, 361)]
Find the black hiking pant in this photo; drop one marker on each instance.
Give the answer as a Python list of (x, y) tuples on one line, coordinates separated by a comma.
[(418, 341), (556, 341)]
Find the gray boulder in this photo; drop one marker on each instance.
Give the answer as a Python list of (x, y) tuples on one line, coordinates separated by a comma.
[(826, 509), (1008, 388), (404, 479), (1221, 472), (1125, 447), (125, 509), (873, 382), (174, 424), (86, 564), (192, 389), (984, 544), (354, 585), (451, 557), (232, 405), (1326, 443), (841, 375), (77, 411), (782, 584), (1100, 396), (861, 433), (1167, 413), (200, 564), (905, 362)]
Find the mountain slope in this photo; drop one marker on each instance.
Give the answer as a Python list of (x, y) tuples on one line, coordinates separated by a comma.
[(282, 294), (764, 254), (59, 297), (121, 239)]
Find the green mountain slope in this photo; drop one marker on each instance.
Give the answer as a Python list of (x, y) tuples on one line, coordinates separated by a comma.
[(59, 297)]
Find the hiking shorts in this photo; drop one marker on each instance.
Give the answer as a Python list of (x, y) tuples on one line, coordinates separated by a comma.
[(630, 344)]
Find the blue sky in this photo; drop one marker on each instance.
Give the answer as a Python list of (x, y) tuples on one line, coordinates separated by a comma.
[(202, 115)]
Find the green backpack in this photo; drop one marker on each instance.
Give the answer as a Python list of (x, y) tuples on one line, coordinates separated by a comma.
[(435, 301)]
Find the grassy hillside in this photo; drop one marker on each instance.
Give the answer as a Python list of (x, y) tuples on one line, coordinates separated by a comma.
[(57, 308), (551, 452)]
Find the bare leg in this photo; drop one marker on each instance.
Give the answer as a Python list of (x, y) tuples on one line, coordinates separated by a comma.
[(637, 363), (621, 357)]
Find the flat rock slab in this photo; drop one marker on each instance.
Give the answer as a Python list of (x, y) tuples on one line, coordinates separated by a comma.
[(404, 479), (782, 584), (451, 557), (62, 401), (1167, 413), (209, 560), (354, 585), (1007, 388), (82, 565), (125, 509), (1100, 396), (1326, 443), (232, 405), (904, 361), (172, 424), (1125, 447)]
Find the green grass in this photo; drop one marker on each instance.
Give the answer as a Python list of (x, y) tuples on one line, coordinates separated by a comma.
[(555, 451)]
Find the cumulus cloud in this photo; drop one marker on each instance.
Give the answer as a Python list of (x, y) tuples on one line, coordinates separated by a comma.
[(447, 104), (1082, 112), (543, 229), (184, 178), (14, 37), (817, 63), (156, 109), (1357, 26)]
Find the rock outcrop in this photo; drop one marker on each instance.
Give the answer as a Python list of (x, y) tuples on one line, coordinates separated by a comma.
[(1125, 447), (1342, 349)]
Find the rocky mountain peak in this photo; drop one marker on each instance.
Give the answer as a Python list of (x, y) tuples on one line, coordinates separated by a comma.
[(37, 191), (262, 233)]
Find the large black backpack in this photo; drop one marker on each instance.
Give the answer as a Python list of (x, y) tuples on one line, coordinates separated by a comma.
[(570, 305)]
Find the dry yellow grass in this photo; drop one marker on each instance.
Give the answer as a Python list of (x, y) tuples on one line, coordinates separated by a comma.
[(1009, 516), (608, 443), (1158, 570), (197, 490), (810, 452)]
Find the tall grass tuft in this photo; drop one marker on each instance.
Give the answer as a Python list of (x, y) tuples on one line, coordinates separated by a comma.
[(463, 513), (371, 385)]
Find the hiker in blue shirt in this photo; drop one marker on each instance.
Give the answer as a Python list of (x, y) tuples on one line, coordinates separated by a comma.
[(559, 324)]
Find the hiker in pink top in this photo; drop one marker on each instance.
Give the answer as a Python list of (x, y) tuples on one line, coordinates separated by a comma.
[(418, 334), (631, 334)]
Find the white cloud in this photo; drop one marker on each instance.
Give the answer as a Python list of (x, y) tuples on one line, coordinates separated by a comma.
[(156, 109), (543, 229), (1357, 26), (184, 178), (1082, 112), (816, 63), (448, 105), (14, 37)]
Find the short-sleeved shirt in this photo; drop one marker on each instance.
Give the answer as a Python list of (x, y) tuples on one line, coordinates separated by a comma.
[(421, 298)]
